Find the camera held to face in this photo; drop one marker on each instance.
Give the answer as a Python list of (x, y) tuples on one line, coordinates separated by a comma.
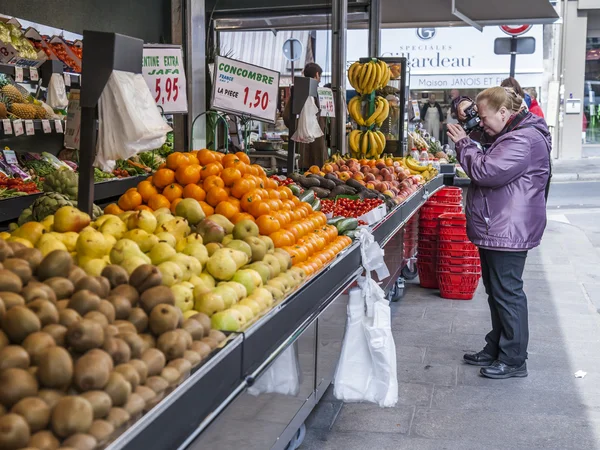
[(472, 120)]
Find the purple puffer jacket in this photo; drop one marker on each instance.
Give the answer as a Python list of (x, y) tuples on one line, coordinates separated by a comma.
[(506, 207)]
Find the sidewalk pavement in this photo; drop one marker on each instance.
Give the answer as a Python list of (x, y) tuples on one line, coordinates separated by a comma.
[(584, 169), (445, 404)]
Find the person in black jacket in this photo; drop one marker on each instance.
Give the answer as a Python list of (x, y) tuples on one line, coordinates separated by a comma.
[(432, 116)]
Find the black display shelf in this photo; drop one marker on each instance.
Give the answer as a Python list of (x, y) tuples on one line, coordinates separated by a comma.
[(9, 69), (38, 142), (461, 182), (37, 126)]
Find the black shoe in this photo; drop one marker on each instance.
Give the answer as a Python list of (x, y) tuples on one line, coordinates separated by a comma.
[(479, 359), (499, 371)]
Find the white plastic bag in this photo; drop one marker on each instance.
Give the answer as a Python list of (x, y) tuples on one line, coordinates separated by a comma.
[(308, 124), (129, 121), (57, 92), (283, 377)]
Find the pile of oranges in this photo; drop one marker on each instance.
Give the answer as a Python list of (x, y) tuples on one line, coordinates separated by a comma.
[(229, 185)]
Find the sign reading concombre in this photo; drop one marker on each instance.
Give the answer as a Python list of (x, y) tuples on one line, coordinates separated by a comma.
[(245, 89)]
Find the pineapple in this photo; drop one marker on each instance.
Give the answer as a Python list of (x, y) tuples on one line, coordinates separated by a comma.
[(12, 93), (40, 112), (23, 110), (5, 105), (4, 80)]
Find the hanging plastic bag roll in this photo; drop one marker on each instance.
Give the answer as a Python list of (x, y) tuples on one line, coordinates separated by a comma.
[(308, 123), (282, 377), (57, 92)]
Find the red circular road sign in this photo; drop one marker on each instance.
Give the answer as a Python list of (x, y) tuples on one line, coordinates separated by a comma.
[(515, 30)]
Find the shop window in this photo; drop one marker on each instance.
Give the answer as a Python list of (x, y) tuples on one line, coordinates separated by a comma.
[(591, 117)]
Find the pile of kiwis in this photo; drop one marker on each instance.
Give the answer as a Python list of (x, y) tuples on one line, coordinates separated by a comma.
[(82, 357)]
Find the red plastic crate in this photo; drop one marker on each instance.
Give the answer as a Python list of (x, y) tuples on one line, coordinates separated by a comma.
[(452, 231), (446, 253), (449, 200), (429, 232), (459, 269), (452, 220), (450, 245), (425, 223), (426, 244), (427, 275), (458, 261), (448, 191), (426, 253), (440, 208), (457, 286)]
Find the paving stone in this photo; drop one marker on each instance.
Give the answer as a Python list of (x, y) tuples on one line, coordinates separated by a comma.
[(426, 324), (444, 355), (370, 417), (444, 375), (324, 414), (409, 353)]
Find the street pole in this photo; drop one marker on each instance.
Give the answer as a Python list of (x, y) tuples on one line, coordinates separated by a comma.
[(339, 21), (375, 28), (513, 55)]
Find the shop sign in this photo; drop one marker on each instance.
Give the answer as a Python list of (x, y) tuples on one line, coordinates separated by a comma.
[(326, 102), (479, 81), (245, 89), (163, 70)]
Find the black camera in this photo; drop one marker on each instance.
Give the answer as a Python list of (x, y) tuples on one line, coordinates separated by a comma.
[(472, 118)]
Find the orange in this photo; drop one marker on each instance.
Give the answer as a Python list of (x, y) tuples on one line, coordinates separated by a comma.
[(259, 208), (229, 159), (240, 187), (285, 193), (260, 172), (234, 201), (243, 157), (230, 175), (270, 183), (130, 200), (282, 239), (288, 205), (146, 190), (206, 157), (241, 216), (267, 224), (188, 174), (215, 195), (322, 218), (236, 164), (176, 160), (294, 228), (210, 169), (173, 191), (174, 204), (143, 208), (208, 210), (248, 199), (192, 158), (163, 177), (213, 181), (227, 209), (274, 194), (282, 218), (194, 191), (158, 201), (113, 209)]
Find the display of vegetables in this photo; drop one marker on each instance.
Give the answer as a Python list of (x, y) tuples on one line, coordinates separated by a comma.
[(102, 176), (62, 181), (348, 207)]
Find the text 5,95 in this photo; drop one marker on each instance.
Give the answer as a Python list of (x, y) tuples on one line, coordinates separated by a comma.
[(171, 90)]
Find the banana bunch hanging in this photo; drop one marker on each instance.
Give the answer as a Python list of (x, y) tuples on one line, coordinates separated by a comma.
[(369, 144), (366, 78), (382, 111)]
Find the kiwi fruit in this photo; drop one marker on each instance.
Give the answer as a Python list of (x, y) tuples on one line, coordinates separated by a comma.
[(146, 393), (211, 342), (10, 282), (135, 342), (105, 286), (108, 310), (145, 277), (101, 353), (32, 255), (102, 431), (58, 333), (55, 369), (51, 396), (127, 291), (89, 283), (192, 357), (118, 388), (14, 431), (124, 326), (149, 341), (19, 267), (57, 263), (44, 440), (98, 317), (19, 322), (2, 309), (100, 401), (187, 337), (195, 329), (183, 365), (90, 373), (71, 415), (172, 344), (16, 384), (10, 300), (117, 417), (36, 344), (14, 356), (204, 321), (158, 384), (35, 412), (122, 306), (62, 304), (84, 301), (156, 296), (110, 331), (36, 290), (3, 339), (62, 287), (141, 368), (16, 246), (67, 317), (163, 318), (155, 361), (135, 405), (139, 319), (76, 274), (130, 373), (2, 408), (172, 375), (33, 370), (81, 441), (217, 335), (118, 350), (45, 311), (115, 275), (85, 335), (5, 250)]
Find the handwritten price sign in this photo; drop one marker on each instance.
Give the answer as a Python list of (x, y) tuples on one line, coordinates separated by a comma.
[(245, 89), (162, 68), (326, 102)]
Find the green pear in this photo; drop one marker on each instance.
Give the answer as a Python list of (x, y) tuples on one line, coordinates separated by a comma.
[(255, 306), (240, 258), (69, 218), (269, 243), (102, 219), (286, 282), (126, 248), (285, 261), (212, 247), (208, 279), (31, 231), (144, 220), (70, 240), (177, 226), (161, 252), (282, 285), (241, 246), (245, 228), (162, 219), (221, 264), (249, 278), (125, 216), (193, 238), (171, 273), (245, 310), (168, 238), (239, 289), (197, 250), (301, 274), (263, 269), (261, 300), (265, 296), (259, 248), (92, 244), (159, 212), (143, 239), (228, 294), (227, 239), (190, 210), (94, 267), (228, 320), (223, 222), (132, 263), (184, 296), (276, 293), (209, 303), (200, 289), (190, 266), (114, 226), (273, 262), (197, 281)]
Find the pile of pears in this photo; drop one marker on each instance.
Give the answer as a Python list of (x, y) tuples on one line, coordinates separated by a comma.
[(84, 356)]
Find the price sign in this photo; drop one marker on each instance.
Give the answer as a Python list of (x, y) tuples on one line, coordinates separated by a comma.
[(33, 74), (242, 88), (72, 135), (18, 127), (67, 77), (46, 126), (162, 68), (58, 126), (18, 74), (10, 156), (7, 52), (29, 129), (6, 124), (326, 102)]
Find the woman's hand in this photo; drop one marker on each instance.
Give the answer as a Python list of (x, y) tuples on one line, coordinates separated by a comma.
[(456, 132)]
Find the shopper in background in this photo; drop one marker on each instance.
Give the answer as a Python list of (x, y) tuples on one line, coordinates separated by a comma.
[(506, 217), (535, 107), (513, 83), (450, 115), (315, 153), (431, 114)]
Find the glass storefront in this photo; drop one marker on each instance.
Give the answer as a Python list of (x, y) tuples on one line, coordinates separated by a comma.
[(591, 117)]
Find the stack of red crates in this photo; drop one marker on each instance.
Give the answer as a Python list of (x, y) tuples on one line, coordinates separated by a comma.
[(459, 267), (411, 237), (448, 200)]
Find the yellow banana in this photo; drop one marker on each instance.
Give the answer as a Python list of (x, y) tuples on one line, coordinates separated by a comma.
[(352, 72), (382, 140), (364, 144), (352, 140), (414, 165), (365, 75), (373, 79), (385, 78), (376, 77), (379, 104), (384, 113), (354, 108)]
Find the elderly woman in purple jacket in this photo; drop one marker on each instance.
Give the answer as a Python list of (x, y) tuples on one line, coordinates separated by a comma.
[(506, 217)]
